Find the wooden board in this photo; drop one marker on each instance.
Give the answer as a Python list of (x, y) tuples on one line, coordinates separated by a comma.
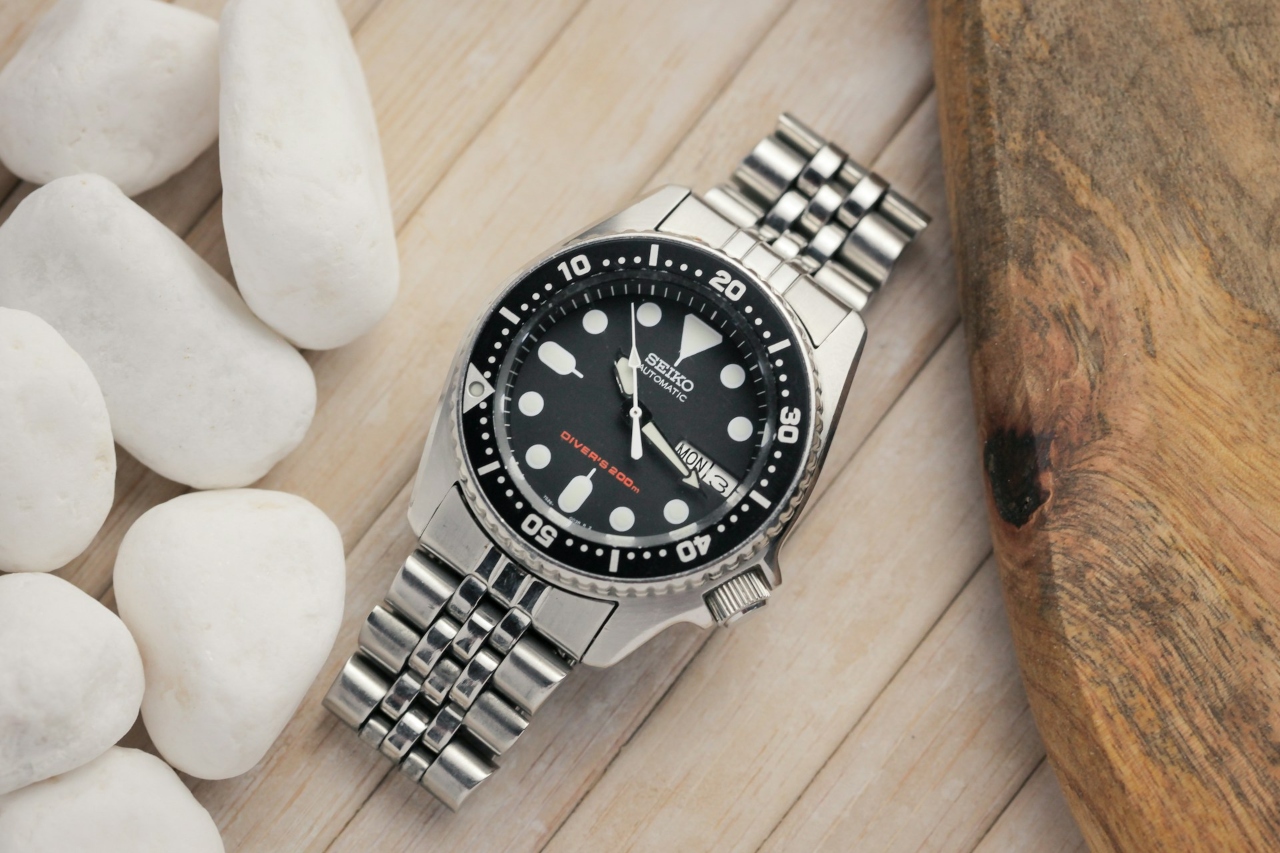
[(1113, 181), (1037, 821), (502, 132)]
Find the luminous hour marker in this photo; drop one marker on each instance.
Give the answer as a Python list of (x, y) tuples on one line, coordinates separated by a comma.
[(758, 498), (576, 493), (696, 337), (648, 314), (558, 359), (511, 316), (621, 519), (613, 561), (653, 255), (732, 376), (485, 469), (779, 346), (537, 456), (676, 511), (595, 321), (740, 429), (530, 403)]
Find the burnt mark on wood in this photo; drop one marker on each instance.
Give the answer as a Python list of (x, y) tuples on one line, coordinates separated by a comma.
[(1013, 463)]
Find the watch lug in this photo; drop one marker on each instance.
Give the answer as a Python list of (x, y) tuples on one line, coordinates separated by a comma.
[(836, 362), (638, 620), (643, 215), (635, 621), (770, 565), (438, 469)]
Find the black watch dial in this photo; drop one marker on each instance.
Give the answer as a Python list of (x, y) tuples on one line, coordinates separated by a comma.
[(643, 408)]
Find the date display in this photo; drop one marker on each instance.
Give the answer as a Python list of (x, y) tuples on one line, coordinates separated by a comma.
[(720, 480)]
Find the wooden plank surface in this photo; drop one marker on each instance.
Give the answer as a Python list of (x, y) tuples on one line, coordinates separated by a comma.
[(1037, 821), (1120, 298), (876, 698), (940, 750)]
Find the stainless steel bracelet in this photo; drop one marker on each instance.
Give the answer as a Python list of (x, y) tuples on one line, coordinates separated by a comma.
[(451, 665), (466, 646), (820, 229)]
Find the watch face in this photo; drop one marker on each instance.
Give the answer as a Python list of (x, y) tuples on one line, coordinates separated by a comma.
[(636, 408)]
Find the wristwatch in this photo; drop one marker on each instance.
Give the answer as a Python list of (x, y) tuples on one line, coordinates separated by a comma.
[(626, 437)]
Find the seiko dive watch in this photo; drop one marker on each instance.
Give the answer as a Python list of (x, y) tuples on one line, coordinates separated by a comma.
[(626, 437)]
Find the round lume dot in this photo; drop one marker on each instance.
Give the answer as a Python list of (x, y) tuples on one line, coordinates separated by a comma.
[(530, 403), (538, 456), (621, 519), (740, 429), (648, 314), (595, 321), (676, 511), (732, 376)]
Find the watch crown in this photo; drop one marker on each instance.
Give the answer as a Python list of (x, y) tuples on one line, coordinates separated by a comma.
[(738, 596)]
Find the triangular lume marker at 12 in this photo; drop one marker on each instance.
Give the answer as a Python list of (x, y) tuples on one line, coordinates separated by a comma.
[(558, 359), (576, 493), (696, 337)]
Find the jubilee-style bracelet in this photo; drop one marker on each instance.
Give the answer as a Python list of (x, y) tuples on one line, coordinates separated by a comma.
[(467, 645), (450, 665), (814, 206)]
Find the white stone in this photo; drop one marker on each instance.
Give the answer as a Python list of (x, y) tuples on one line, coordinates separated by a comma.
[(70, 679), (127, 89), (235, 598), (124, 802), (198, 388), (57, 460), (305, 204)]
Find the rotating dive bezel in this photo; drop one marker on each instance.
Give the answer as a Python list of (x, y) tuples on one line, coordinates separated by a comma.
[(544, 539)]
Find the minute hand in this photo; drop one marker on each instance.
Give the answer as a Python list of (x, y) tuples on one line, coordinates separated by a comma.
[(634, 363)]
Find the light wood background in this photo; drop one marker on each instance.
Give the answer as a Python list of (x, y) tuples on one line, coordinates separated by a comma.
[(876, 703)]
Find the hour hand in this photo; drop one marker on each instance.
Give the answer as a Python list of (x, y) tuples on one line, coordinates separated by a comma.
[(657, 439), (622, 369)]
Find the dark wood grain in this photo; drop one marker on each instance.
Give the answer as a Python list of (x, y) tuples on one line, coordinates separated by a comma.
[(1114, 181)]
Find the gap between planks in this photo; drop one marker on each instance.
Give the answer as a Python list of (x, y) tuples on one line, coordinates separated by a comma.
[(1037, 820)]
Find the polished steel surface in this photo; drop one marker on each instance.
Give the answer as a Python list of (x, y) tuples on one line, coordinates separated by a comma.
[(401, 694), (435, 640), (421, 588), (386, 639), (358, 689), (438, 683), (455, 773), (529, 672)]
